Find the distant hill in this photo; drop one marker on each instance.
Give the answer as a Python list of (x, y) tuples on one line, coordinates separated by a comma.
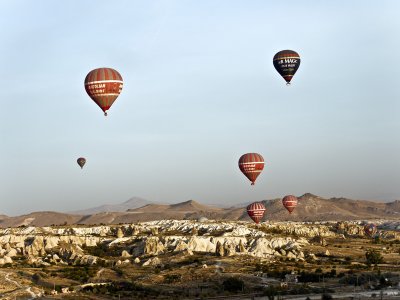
[(192, 205), (185, 207), (310, 208), (395, 205), (185, 210), (132, 203), (3, 217), (42, 218)]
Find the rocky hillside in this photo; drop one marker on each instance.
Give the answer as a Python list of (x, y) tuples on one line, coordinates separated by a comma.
[(310, 208), (142, 242)]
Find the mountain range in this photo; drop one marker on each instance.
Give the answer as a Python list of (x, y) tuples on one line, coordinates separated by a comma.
[(310, 208), (133, 202)]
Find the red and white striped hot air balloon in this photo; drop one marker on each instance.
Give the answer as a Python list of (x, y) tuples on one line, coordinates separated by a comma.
[(251, 165), (370, 229), (103, 85), (256, 211), (289, 202)]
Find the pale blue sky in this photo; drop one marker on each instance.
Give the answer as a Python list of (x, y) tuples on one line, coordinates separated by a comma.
[(199, 90)]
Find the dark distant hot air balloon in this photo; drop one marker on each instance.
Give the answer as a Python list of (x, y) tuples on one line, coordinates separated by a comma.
[(256, 211), (289, 202), (370, 229), (251, 165), (286, 62), (81, 161), (104, 86)]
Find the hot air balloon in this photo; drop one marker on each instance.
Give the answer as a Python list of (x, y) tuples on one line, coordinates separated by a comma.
[(104, 86), (256, 211), (289, 202), (251, 165), (286, 62), (81, 161), (370, 229)]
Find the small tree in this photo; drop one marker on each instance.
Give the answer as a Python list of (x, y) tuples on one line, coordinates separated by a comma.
[(377, 240), (36, 278), (373, 257), (326, 297), (233, 284), (270, 292), (332, 273)]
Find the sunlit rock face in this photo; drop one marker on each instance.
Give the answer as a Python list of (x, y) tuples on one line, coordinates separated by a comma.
[(137, 242)]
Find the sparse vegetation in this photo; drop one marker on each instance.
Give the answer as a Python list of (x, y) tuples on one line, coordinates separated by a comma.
[(79, 274), (373, 257), (172, 278)]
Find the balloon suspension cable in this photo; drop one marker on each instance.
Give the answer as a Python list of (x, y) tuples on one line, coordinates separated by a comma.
[(288, 83)]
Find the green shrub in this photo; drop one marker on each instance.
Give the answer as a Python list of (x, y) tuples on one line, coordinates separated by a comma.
[(373, 257)]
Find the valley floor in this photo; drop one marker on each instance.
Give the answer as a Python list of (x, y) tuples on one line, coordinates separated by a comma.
[(191, 260)]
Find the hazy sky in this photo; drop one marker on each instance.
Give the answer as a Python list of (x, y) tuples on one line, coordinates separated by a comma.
[(199, 90)]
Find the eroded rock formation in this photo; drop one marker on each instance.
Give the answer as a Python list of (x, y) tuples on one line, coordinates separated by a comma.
[(140, 242)]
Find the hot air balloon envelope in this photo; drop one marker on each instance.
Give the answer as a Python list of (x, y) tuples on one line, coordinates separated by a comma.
[(251, 165), (289, 202), (256, 211), (103, 85), (81, 161), (286, 62), (370, 229)]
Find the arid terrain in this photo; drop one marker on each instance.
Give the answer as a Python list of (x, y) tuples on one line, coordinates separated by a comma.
[(143, 250), (310, 208), (200, 259)]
